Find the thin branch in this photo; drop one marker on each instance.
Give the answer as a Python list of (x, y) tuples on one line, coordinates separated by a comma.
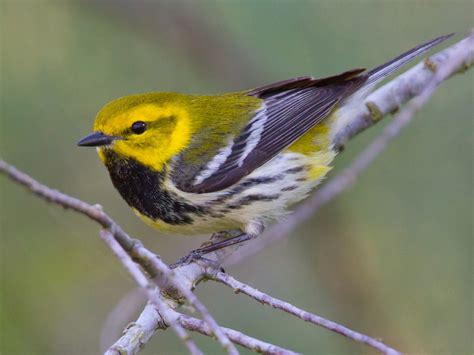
[(236, 336), (138, 333), (133, 247), (152, 293), (149, 321), (390, 97), (125, 309), (240, 287), (418, 84), (185, 289)]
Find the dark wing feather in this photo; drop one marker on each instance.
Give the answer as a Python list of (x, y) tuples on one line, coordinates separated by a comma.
[(303, 82), (290, 108)]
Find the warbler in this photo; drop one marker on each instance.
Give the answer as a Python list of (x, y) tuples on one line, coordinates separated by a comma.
[(193, 164)]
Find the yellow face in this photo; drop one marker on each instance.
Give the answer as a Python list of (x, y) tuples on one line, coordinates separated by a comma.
[(150, 128)]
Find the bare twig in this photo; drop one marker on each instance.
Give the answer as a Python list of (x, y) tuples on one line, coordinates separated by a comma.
[(264, 298), (136, 334), (121, 314), (133, 247), (152, 293), (184, 287), (236, 336), (149, 321), (390, 97), (418, 83)]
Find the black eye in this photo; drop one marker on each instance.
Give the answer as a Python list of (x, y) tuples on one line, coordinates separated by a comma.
[(138, 127)]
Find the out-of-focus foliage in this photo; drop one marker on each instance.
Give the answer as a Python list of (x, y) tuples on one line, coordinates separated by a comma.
[(390, 258)]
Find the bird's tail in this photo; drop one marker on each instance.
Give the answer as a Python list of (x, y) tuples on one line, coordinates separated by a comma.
[(384, 70), (374, 76)]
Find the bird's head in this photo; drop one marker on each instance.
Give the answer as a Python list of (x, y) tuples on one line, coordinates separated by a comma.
[(150, 128)]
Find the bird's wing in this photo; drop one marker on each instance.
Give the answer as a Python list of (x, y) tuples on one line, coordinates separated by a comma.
[(290, 108)]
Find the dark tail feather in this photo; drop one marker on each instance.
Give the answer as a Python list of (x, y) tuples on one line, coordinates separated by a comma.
[(388, 68)]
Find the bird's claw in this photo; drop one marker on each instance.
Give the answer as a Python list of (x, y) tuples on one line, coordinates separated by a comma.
[(193, 256)]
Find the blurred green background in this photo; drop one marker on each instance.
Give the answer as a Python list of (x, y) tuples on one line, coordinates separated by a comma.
[(392, 257)]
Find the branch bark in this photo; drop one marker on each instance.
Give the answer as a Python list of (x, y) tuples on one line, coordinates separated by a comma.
[(153, 294), (389, 98), (138, 333), (236, 336), (240, 287)]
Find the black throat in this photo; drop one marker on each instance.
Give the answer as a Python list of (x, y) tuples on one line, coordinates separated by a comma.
[(143, 189)]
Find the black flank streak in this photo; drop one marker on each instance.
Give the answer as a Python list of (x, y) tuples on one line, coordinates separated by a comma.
[(289, 188), (296, 170), (235, 207), (217, 215), (246, 185), (247, 200)]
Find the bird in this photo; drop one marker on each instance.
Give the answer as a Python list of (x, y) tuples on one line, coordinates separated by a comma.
[(193, 164)]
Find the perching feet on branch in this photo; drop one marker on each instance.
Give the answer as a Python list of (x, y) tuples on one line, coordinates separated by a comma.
[(217, 242)]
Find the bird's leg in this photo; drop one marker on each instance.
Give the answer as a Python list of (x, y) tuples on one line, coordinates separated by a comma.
[(219, 236), (216, 243)]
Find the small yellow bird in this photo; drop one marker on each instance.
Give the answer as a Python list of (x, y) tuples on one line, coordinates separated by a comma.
[(194, 164)]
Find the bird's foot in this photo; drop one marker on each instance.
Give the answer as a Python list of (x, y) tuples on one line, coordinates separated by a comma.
[(193, 256), (209, 247)]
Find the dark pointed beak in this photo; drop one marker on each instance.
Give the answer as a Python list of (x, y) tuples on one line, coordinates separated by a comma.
[(96, 139)]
